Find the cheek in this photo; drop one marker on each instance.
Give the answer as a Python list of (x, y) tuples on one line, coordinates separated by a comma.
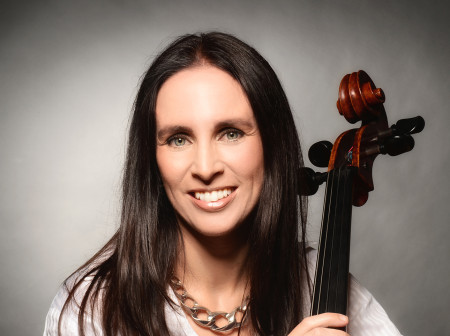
[(248, 162), (171, 167)]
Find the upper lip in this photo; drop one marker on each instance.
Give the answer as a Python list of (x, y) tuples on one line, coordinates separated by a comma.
[(202, 190)]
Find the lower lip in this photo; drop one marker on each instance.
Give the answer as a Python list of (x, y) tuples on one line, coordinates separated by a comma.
[(214, 206)]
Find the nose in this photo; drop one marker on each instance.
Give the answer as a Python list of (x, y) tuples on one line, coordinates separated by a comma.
[(207, 163)]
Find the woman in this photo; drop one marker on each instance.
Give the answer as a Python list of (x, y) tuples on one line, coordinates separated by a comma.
[(210, 208)]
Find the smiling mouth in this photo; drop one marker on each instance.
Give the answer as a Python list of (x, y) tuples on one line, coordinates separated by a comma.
[(213, 196)]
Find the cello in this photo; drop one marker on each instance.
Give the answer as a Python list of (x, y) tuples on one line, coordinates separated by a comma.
[(349, 180)]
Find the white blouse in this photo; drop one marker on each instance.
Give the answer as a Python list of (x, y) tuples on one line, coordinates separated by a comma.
[(366, 316)]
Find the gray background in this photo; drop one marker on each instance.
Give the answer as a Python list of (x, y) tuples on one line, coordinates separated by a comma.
[(69, 73)]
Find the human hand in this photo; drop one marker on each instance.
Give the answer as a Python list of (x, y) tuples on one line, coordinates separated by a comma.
[(319, 325)]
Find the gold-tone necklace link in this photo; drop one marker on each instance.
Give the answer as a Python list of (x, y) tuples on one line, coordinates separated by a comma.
[(211, 319)]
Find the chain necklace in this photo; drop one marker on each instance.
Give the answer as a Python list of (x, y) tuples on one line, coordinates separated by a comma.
[(210, 321)]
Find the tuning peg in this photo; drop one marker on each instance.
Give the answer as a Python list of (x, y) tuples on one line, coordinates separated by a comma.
[(319, 153), (397, 145), (309, 181), (409, 126)]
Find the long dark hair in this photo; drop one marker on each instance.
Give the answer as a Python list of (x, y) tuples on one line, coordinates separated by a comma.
[(127, 279)]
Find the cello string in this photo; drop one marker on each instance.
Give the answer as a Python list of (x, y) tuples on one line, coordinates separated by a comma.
[(343, 232), (330, 258), (314, 294), (332, 261), (339, 222), (326, 242), (319, 277)]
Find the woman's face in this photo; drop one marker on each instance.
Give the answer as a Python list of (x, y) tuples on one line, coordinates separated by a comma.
[(209, 149)]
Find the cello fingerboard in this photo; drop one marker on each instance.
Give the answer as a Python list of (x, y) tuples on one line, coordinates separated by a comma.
[(331, 279)]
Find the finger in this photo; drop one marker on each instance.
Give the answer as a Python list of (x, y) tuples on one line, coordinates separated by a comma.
[(325, 332), (320, 321)]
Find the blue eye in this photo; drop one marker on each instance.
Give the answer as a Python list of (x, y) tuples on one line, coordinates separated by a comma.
[(176, 141), (232, 134)]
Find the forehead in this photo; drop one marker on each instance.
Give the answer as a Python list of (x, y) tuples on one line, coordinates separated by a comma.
[(201, 94)]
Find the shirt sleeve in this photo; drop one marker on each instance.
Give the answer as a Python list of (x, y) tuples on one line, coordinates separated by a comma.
[(69, 322), (366, 316)]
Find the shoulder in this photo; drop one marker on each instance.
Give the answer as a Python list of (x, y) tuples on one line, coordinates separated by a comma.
[(69, 321), (367, 317)]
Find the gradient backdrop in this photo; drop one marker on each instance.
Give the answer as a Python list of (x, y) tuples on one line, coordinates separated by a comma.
[(68, 75)]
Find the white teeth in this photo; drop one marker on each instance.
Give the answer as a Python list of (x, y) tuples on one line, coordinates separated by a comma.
[(213, 196)]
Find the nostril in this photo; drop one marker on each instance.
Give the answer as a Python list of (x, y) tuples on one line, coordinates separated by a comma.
[(207, 177)]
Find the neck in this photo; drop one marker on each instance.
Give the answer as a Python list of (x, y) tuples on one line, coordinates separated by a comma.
[(212, 269)]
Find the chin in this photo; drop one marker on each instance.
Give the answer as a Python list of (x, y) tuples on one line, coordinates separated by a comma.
[(212, 228), (215, 230)]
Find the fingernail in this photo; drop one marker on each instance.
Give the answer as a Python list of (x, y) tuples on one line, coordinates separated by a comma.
[(343, 318)]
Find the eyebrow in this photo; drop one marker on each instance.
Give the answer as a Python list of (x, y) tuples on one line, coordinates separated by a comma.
[(238, 122), (174, 129)]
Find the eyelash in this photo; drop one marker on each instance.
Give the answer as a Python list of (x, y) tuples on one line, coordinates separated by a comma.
[(226, 131), (171, 140)]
